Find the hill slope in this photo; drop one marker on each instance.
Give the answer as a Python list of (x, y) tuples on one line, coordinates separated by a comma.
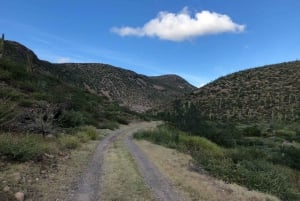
[(138, 92), (128, 88), (35, 102), (32, 88), (267, 93)]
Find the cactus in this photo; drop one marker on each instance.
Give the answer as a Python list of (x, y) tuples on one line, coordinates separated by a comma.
[(2, 46), (29, 63)]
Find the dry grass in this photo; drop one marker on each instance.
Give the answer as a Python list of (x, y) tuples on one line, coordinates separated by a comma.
[(192, 185), (122, 181)]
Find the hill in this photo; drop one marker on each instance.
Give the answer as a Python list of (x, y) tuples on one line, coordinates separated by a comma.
[(30, 87), (35, 102), (138, 92), (260, 94)]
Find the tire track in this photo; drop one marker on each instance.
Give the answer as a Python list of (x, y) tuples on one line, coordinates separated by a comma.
[(89, 187), (157, 182)]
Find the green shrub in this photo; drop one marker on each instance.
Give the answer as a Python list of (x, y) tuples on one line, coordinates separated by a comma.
[(292, 157), (7, 112), (288, 135), (252, 131), (5, 75), (82, 136), (91, 132), (112, 125), (26, 103), (263, 176), (225, 135), (69, 142), (200, 144), (22, 148), (72, 119), (11, 93), (122, 120), (247, 153)]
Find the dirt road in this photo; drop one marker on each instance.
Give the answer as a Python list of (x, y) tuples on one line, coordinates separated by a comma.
[(90, 185), (158, 183)]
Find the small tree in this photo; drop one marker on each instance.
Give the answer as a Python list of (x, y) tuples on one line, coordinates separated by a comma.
[(44, 121)]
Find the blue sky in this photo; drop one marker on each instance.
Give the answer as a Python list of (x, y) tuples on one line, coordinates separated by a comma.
[(199, 40)]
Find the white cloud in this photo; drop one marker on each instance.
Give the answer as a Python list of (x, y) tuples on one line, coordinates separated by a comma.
[(63, 60), (182, 26)]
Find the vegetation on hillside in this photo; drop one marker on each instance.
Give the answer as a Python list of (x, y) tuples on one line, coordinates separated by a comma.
[(138, 92), (269, 93), (36, 102)]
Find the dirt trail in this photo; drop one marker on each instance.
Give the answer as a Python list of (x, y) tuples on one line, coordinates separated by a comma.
[(89, 184), (89, 187), (157, 182)]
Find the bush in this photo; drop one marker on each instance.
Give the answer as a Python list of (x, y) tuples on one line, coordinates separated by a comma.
[(263, 176), (252, 131), (26, 103), (252, 153), (200, 144), (69, 142), (122, 120), (72, 119), (292, 157), (5, 75), (288, 135), (91, 132), (22, 148), (112, 125), (82, 136)]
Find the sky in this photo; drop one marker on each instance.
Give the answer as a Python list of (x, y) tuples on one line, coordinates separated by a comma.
[(199, 40)]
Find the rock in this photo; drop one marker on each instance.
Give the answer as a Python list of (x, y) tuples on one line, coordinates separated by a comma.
[(49, 136), (6, 189), (49, 155), (20, 196)]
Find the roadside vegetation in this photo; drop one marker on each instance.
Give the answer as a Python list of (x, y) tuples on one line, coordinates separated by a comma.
[(33, 147), (258, 164), (192, 183), (29, 163)]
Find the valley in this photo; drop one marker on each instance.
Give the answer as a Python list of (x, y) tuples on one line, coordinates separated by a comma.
[(100, 132)]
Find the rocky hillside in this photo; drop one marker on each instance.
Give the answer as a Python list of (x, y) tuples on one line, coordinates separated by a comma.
[(138, 92), (128, 88), (266, 93)]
